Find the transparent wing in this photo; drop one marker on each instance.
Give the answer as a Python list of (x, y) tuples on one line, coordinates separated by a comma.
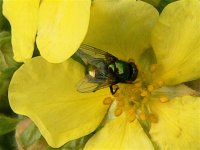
[(89, 84), (88, 54), (94, 52)]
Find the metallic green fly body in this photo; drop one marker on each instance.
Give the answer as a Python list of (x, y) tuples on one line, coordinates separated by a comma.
[(103, 70)]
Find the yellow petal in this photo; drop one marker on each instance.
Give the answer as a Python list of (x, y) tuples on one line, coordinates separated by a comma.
[(47, 94), (121, 27), (119, 134), (178, 125), (23, 17), (174, 91), (153, 2), (62, 27), (175, 40)]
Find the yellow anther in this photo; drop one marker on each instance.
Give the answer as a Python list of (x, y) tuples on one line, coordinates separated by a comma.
[(144, 93), (153, 67), (144, 100), (131, 111), (132, 98), (131, 118), (116, 94), (142, 116), (137, 85), (142, 76), (107, 101), (164, 99), (153, 118), (121, 103), (119, 98), (150, 88), (131, 114), (136, 90), (118, 111), (160, 83)]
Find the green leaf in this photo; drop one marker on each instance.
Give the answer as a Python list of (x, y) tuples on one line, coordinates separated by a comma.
[(7, 141), (30, 135), (6, 53), (77, 144), (5, 77), (7, 124), (7, 64), (4, 24)]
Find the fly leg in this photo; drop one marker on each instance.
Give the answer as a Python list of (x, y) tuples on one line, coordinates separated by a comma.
[(113, 89)]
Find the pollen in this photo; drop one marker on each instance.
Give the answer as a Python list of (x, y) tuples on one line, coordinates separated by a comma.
[(145, 100), (138, 85), (131, 118), (150, 88), (142, 116), (131, 115), (121, 103), (144, 93), (132, 99), (164, 99), (160, 83), (153, 67), (152, 118), (107, 101), (116, 94), (118, 111)]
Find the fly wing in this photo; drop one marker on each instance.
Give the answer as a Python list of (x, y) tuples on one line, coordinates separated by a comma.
[(89, 84), (92, 51), (88, 54)]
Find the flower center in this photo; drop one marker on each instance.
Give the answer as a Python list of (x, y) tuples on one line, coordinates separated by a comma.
[(132, 99)]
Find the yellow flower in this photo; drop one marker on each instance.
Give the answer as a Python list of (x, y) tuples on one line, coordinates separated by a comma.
[(153, 2), (60, 26), (156, 112)]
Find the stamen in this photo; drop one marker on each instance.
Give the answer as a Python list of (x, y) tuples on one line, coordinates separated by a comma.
[(131, 118), (121, 103), (118, 111), (131, 115), (160, 83), (107, 101), (145, 100), (142, 116), (152, 118), (138, 85), (116, 94), (164, 99), (132, 99), (144, 93), (131, 111), (150, 88), (153, 67)]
